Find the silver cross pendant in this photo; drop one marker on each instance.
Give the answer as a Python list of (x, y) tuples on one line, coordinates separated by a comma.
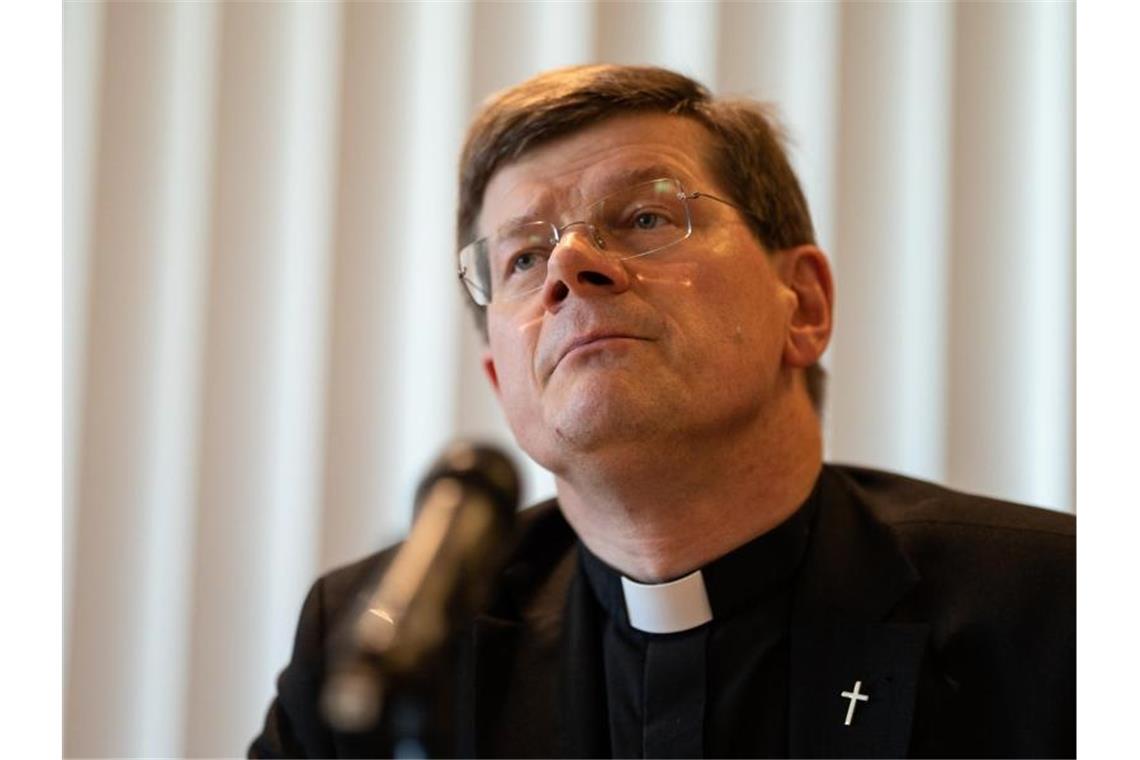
[(854, 697)]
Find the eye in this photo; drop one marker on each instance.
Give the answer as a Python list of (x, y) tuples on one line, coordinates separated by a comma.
[(646, 217), (647, 220), (524, 261)]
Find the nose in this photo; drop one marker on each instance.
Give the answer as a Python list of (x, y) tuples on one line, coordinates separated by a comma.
[(578, 266)]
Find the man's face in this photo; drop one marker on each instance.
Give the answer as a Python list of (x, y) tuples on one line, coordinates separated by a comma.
[(658, 350)]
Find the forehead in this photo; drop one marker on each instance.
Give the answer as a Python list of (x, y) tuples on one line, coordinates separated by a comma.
[(587, 164)]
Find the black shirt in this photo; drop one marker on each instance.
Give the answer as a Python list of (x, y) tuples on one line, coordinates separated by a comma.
[(718, 690)]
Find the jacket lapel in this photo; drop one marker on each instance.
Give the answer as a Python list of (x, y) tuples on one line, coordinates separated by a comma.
[(583, 730), (533, 677), (854, 574), (482, 694)]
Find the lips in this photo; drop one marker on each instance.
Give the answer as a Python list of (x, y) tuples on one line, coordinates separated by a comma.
[(590, 338), (573, 329)]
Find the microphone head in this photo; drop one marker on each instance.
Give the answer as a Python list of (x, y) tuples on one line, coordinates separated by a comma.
[(477, 466)]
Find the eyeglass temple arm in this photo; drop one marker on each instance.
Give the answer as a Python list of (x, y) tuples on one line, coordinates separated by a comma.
[(698, 194)]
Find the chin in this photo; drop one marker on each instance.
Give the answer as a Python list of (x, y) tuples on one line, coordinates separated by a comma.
[(595, 412), (593, 423)]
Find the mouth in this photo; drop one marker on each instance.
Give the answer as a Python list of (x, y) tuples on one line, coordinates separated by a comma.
[(597, 340)]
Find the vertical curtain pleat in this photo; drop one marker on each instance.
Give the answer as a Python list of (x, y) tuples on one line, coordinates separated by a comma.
[(564, 33), (360, 505), (890, 252), (179, 286), (264, 339), (425, 360), (786, 54), (263, 366), (108, 551), (135, 479), (680, 35), (82, 68), (1010, 330)]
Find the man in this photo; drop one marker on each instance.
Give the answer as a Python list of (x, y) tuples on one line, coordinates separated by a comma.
[(643, 265)]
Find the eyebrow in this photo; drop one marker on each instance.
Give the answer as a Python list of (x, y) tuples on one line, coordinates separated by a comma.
[(603, 187), (643, 173)]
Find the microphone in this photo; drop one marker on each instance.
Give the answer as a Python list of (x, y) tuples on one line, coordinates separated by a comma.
[(440, 577)]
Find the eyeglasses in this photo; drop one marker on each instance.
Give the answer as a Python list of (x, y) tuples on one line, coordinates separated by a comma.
[(637, 221)]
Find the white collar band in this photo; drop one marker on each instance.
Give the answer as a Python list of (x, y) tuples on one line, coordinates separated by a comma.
[(667, 607)]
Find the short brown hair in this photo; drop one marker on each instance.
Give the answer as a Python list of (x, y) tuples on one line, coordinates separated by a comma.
[(748, 155)]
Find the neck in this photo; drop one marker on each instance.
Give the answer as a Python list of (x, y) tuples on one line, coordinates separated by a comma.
[(656, 514)]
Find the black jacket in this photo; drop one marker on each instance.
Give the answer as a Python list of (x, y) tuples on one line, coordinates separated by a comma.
[(957, 612)]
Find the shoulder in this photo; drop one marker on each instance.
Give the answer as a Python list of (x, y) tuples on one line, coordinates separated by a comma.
[(913, 508), (978, 558)]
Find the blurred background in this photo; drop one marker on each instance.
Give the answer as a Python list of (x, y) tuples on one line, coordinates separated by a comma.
[(264, 343)]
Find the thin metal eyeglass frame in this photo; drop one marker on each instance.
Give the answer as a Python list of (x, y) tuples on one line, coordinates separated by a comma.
[(599, 241)]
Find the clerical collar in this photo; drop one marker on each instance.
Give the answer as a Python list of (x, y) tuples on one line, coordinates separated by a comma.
[(669, 607), (728, 583)]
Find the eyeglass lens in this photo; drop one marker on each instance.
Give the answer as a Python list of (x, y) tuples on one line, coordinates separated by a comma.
[(631, 222)]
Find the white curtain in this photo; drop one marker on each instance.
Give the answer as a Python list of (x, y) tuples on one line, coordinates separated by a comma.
[(264, 344)]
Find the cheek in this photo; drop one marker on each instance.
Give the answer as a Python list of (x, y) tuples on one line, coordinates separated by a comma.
[(512, 351), (733, 295), (744, 312)]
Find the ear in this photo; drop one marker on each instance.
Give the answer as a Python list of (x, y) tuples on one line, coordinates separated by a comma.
[(805, 271), (489, 370)]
